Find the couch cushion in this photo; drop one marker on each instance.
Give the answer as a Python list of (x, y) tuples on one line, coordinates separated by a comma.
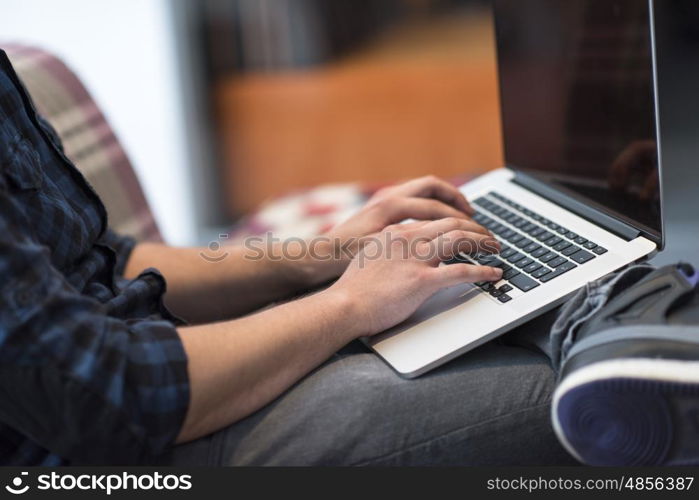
[(88, 140), (301, 214)]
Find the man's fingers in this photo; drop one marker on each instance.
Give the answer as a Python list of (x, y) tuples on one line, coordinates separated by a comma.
[(451, 244), (442, 226), (434, 187), (407, 226), (457, 274), (396, 210)]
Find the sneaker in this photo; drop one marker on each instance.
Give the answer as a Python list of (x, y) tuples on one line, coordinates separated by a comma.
[(628, 393)]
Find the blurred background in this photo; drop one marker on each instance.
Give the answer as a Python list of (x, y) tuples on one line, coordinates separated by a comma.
[(311, 91), (224, 104)]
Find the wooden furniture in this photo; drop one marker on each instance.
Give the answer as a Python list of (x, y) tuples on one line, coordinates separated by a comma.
[(421, 101)]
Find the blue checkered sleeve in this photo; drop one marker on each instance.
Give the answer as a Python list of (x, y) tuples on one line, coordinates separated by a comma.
[(85, 385)]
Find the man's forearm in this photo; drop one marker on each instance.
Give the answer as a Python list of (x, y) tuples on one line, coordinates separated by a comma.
[(202, 290), (237, 367)]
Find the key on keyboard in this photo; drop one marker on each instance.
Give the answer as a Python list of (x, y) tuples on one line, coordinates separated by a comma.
[(559, 270), (524, 282), (535, 250)]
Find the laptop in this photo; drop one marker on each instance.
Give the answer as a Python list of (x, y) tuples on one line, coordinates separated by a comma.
[(580, 193)]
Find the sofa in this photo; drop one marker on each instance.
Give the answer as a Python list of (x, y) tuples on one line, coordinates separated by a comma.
[(87, 138), (92, 145)]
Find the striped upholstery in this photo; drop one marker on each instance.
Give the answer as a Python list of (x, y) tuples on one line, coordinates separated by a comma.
[(87, 138)]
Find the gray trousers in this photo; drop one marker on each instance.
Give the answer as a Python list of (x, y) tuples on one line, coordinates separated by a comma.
[(489, 407)]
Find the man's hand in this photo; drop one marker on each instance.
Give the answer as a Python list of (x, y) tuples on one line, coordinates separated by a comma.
[(398, 271), (426, 198), (237, 367)]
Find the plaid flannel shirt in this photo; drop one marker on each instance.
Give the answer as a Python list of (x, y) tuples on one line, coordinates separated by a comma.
[(91, 367)]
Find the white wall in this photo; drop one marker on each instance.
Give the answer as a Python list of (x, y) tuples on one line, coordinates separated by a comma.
[(124, 52)]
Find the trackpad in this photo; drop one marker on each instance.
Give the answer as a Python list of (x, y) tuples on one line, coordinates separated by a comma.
[(441, 302)]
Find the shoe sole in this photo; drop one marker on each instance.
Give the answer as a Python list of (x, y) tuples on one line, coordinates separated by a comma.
[(630, 412)]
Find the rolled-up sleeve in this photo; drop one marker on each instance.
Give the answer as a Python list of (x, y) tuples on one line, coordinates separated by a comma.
[(82, 384)]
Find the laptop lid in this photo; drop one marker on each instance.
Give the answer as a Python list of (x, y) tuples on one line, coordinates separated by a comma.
[(579, 103)]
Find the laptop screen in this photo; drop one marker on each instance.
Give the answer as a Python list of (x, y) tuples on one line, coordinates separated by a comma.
[(578, 105)]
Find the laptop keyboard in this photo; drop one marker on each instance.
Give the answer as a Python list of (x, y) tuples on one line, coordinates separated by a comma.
[(534, 251)]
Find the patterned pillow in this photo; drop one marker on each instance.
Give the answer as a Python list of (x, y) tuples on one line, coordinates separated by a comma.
[(301, 214), (87, 139)]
